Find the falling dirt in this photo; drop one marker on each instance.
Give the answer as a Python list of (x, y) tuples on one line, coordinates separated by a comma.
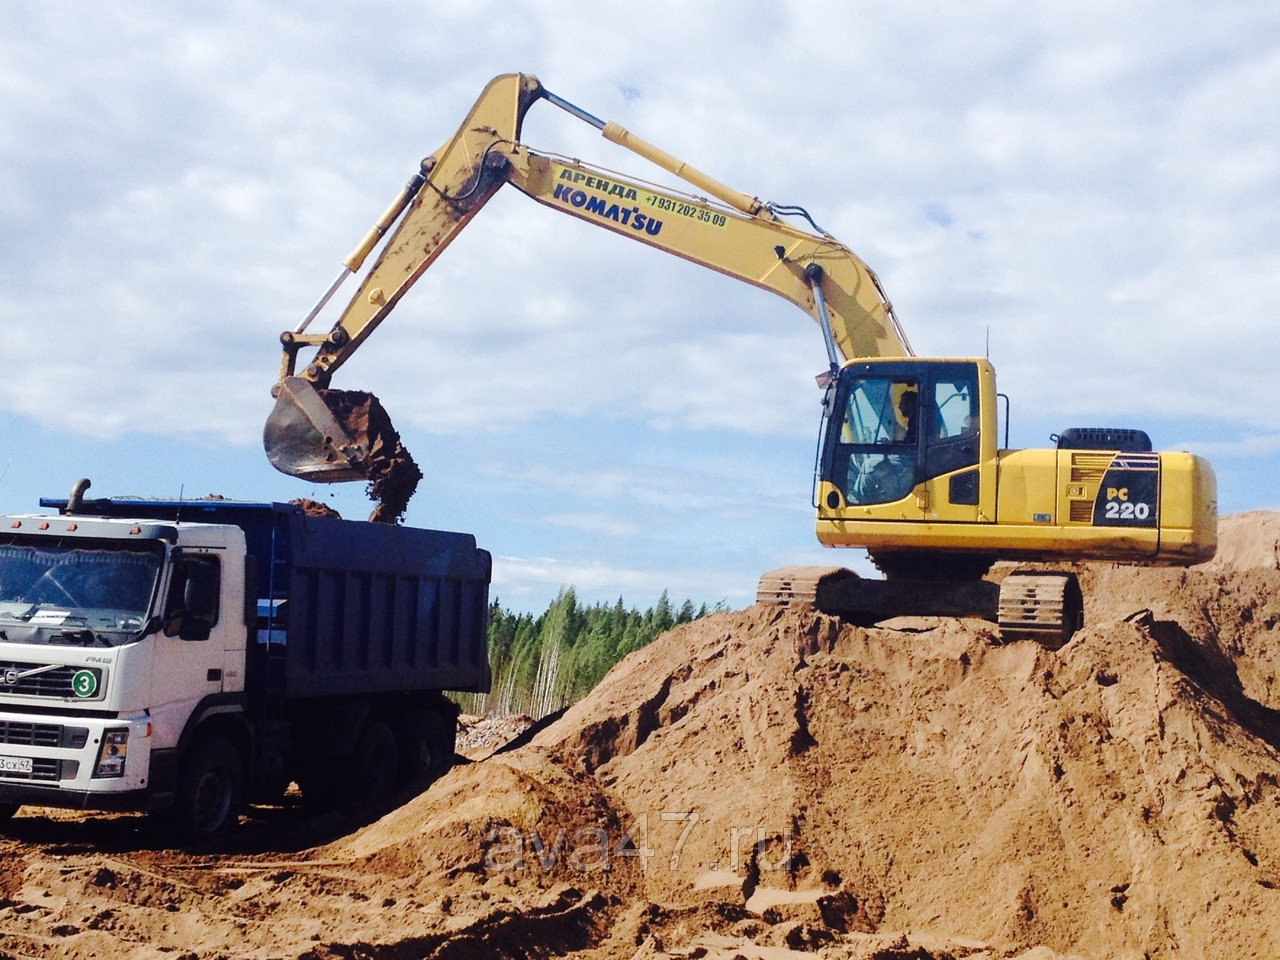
[(777, 784), (393, 474), (314, 508)]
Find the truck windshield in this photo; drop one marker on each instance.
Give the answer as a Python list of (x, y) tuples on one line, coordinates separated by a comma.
[(77, 592)]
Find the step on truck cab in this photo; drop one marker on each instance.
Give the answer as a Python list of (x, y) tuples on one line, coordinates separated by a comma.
[(186, 657)]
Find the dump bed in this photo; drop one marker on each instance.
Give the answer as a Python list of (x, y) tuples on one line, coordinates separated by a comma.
[(374, 607), (348, 607)]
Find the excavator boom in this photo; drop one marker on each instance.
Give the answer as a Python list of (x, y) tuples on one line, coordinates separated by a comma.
[(726, 231)]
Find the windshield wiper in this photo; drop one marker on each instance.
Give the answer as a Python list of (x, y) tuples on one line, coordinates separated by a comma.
[(78, 638)]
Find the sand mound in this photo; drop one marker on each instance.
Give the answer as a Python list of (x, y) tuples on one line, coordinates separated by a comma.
[(1119, 795), (1248, 541), (768, 784)]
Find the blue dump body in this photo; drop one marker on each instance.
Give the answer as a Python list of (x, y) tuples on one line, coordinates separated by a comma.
[(347, 607)]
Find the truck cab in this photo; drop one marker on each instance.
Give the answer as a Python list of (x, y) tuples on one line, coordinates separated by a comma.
[(112, 631)]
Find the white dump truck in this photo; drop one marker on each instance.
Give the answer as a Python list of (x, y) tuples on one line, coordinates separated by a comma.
[(187, 657)]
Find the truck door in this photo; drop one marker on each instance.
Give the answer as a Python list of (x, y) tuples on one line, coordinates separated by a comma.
[(188, 659)]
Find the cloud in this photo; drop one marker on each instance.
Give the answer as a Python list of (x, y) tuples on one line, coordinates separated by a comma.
[(1031, 185), (1254, 447), (599, 523)]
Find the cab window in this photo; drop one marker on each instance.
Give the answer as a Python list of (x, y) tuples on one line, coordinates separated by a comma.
[(953, 411), (192, 607), (955, 404), (874, 454)]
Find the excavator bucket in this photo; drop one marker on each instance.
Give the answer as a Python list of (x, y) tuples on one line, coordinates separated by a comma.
[(304, 438), (334, 435)]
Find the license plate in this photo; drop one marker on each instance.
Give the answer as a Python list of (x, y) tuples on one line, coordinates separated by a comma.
[(15, 764)]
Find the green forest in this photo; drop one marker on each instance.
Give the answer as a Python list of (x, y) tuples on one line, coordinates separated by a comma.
[(543, 663)]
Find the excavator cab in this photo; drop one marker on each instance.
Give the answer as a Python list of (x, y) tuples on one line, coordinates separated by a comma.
[(896, 428)]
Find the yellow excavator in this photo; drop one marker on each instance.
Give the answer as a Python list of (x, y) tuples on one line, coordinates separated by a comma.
[(910, 466)]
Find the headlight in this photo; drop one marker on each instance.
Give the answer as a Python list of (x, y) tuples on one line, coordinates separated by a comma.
[(115, 744)]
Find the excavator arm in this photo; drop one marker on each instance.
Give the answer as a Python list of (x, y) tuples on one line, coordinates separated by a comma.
[(311, 433)]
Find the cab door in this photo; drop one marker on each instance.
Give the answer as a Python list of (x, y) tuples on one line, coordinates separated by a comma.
[(188, 654), (872, 450), (951, 448)]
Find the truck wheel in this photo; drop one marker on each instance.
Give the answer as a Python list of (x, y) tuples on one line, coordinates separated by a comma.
[(429, 746), (442, 734), (211, 791), (377, 764)]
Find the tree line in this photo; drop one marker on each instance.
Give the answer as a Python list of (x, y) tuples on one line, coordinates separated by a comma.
[(543, 663)]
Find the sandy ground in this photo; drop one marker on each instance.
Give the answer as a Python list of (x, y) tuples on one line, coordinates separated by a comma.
[(770, 784)]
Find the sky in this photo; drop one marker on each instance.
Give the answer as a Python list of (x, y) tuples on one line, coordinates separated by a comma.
[(1088, 193)]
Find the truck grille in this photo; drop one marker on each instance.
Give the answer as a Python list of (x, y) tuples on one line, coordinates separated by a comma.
[(51, 683), (42, 768), (42, 734)]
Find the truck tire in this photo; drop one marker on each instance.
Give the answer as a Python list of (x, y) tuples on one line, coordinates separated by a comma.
[(376, 767), (210, 790), (442, 734), (429, 744)]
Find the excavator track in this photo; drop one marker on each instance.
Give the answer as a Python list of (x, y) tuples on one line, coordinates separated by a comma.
[(842, 593), (1044, 607), (795, 586), (1028, 605)]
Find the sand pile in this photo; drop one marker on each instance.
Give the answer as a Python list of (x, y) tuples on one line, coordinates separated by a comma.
[(1248, 541), (776, 784)]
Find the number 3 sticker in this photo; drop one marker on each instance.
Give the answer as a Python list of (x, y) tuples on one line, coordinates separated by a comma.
[(84, 683)]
